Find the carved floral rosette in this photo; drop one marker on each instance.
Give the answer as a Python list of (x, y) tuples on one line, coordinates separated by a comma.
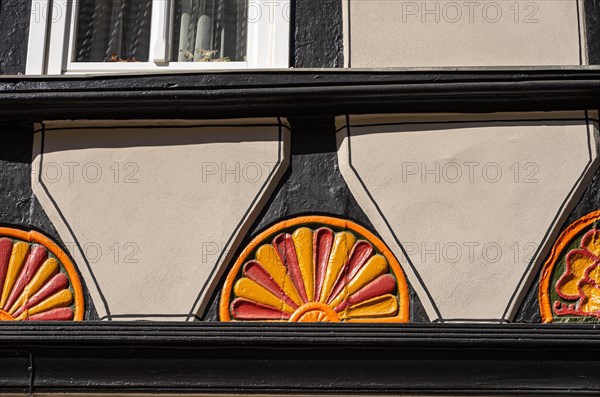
[(38, 282), (315, 269), (569, 290)]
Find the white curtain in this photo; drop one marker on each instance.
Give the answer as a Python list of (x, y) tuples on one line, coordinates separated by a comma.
[(112, 30), (211, 30), (203, 30)]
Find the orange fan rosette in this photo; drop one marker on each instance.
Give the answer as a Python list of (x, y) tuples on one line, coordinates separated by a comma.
[(38, 282), (315, 269)]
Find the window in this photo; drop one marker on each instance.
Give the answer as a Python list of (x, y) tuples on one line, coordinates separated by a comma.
[(99, 36)]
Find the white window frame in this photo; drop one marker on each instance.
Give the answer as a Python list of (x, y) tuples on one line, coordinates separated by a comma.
[(52, 40)]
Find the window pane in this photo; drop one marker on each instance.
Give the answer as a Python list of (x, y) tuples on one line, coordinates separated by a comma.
[(210, 30), (113, 30)]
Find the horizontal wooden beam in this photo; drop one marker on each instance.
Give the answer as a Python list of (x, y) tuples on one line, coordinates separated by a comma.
[(297, 93), (292, 358)]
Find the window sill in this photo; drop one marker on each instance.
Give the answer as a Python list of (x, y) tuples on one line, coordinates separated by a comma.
[(100, 68)]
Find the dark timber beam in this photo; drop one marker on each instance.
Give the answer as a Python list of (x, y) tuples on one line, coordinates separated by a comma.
[(297, 93), (269, 358)]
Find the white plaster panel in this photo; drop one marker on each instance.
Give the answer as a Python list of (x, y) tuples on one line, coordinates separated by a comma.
[(439, 33), (468, 204), (152, 211)]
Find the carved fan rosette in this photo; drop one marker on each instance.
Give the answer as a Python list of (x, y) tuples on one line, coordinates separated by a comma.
[(38, 282), (315, 269)]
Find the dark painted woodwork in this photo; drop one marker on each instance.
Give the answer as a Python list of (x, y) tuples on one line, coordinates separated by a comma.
[(296, 93), (592, 30), (16, 140), (317, 31), (14, 31), (294, 358)]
